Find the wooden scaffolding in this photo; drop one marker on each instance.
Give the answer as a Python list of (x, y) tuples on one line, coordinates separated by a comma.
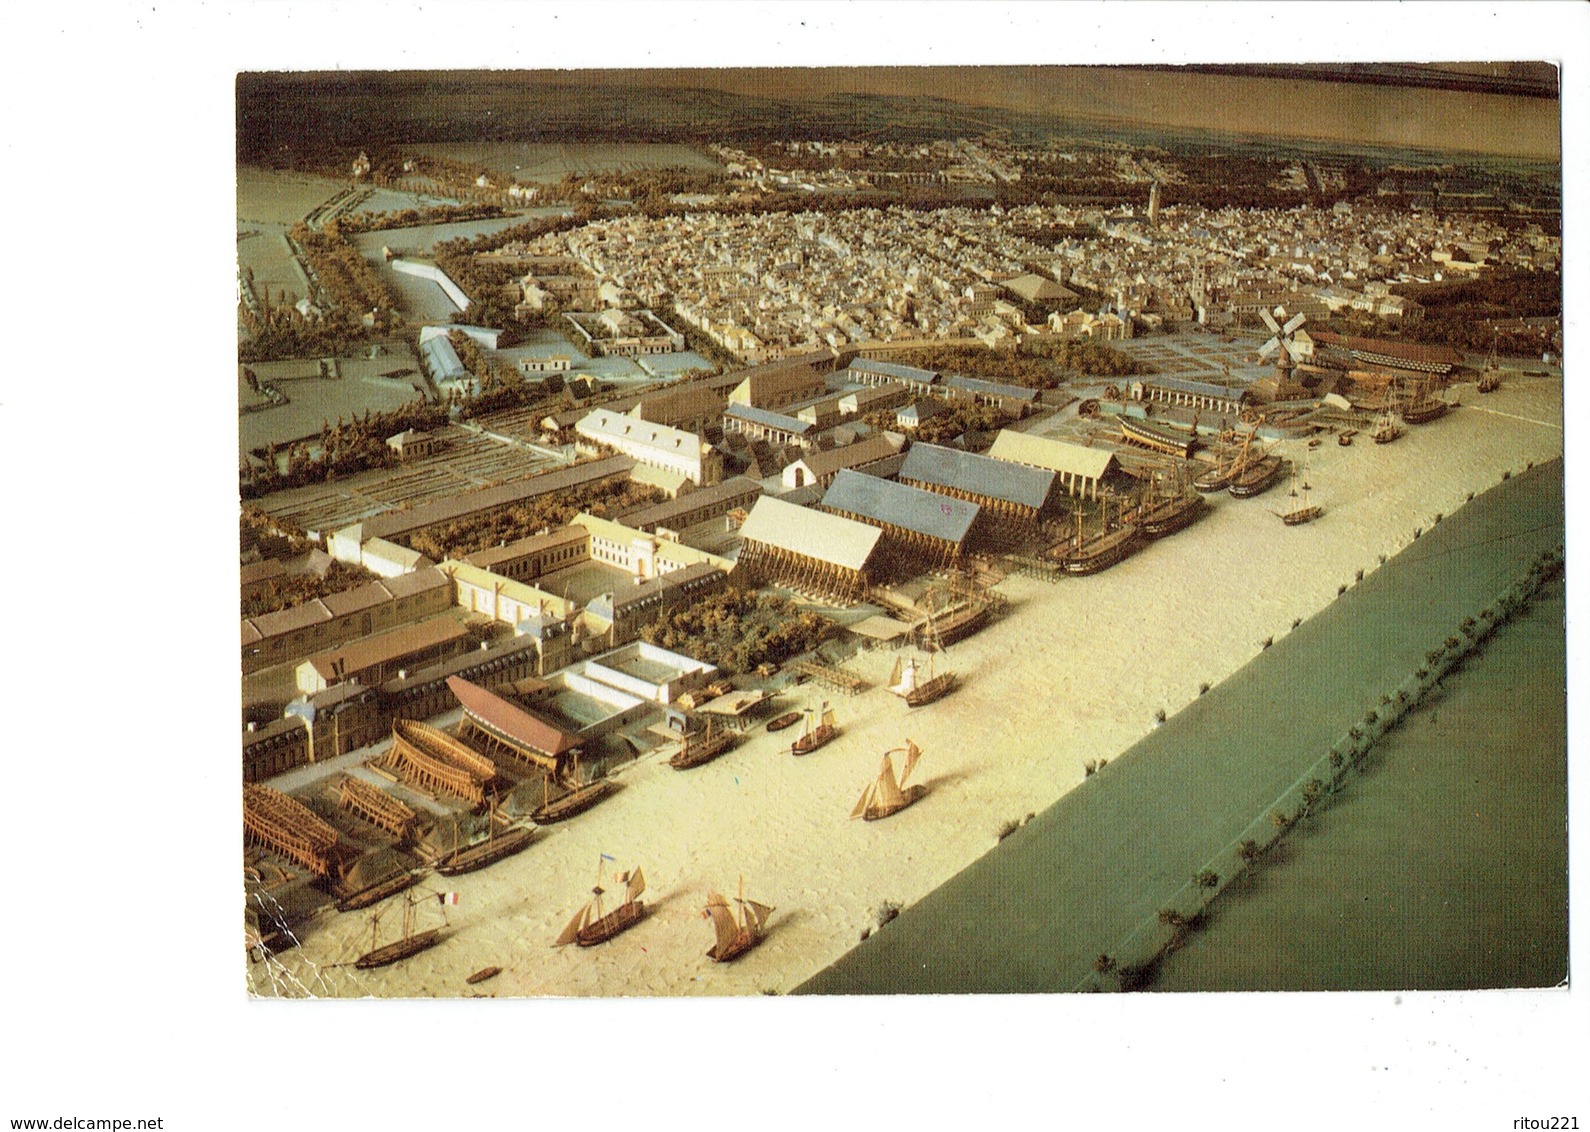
[(375, 806), (274, 821), (437, 762), (831, 676), (826, 581)]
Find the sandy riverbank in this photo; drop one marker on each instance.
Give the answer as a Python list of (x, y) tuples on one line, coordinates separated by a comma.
[(1075, 672)]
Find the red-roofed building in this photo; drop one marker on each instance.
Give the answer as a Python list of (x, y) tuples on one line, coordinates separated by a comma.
[(499, 725)]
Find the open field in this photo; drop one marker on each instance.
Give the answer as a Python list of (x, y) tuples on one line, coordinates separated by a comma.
[(268, 196), (312, 399), (535, 161), (265, 253), (1075, 672), (1445, 866)]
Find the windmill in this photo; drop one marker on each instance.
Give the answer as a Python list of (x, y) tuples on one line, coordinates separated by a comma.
[(1283, 344)]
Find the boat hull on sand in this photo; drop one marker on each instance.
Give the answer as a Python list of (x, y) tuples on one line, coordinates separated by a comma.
[(375, 893), (473, 857), (573, 803), (1256, 478), (908, 796), (620, 919), (806, 744), (402, 949)]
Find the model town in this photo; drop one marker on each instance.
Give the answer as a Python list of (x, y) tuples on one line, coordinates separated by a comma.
[(794, 517)]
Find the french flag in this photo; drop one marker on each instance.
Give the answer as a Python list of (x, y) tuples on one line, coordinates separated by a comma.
[(447, 897)]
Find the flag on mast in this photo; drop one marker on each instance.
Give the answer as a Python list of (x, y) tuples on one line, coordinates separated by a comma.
[(447, 897)]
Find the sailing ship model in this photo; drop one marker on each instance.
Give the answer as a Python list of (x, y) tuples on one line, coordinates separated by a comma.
[(1164, 515), (1219, 476), (410, 943), (591, 926), (378, 892), (1491, 375), (488, 852), (699, 747), (1423, 406), (737, 933), (813, 737), (1387, 428), (887, 794), (961, 618), (906, 683), (1084, 554), (1301, 511), (577, 800), (1255, 474)]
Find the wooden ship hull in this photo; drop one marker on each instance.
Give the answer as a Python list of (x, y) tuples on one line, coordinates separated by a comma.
[(1425, 411), (788, 719), (483, 974), (1302, 515), (1346, 438), (1386, 435), (741, 944), (575, 802), (473, 857), (375, 893), (957, 626), (806, 744), (888, 809), (693, 752), (934, 689), (1489, 383), (620, 919), (1099, 552), (1256, 478), (1215, 479), (402, 949), (1171, 515)]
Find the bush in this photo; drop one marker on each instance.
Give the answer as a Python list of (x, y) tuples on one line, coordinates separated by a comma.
[(1208, 879)]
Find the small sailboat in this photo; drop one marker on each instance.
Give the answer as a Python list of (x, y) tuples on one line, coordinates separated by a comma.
[(497, 846), (1387, 428), (1491, 375), (409, 943), (1301, 511), (737, 932), (887, 794), (701, 747), (591, 926), (906, 682), (813, 737)]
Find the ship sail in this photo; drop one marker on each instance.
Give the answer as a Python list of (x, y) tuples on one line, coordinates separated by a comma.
[(894, 676), (912, 753), (828, 715), (722, 920), (888, 787), (867, 797), (903, 683), (581, 918), (637, 885), (756, 915)]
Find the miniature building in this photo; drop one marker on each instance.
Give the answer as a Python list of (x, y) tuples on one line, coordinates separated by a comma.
[(695, 507), (764, 424), (1224, 399), (822, 467), (372, 659), (501, 599), (398, 525), (642, 554), (502, 727), (775, 386), (557, 363), (660, 446), (998, 486), (921, 528), (527, 559), (808, 551), (257, 577), (650, 672), (629, 607), (289, 634), (1079, 470), (411, 443), (694, 408)]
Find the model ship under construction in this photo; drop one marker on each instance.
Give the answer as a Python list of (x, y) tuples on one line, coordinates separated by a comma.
[(435, 761), (737, 933), (276, 822), (703, 746), (591, 925), (409, 943), (887, 794), (1387, 428), (813, 737)]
